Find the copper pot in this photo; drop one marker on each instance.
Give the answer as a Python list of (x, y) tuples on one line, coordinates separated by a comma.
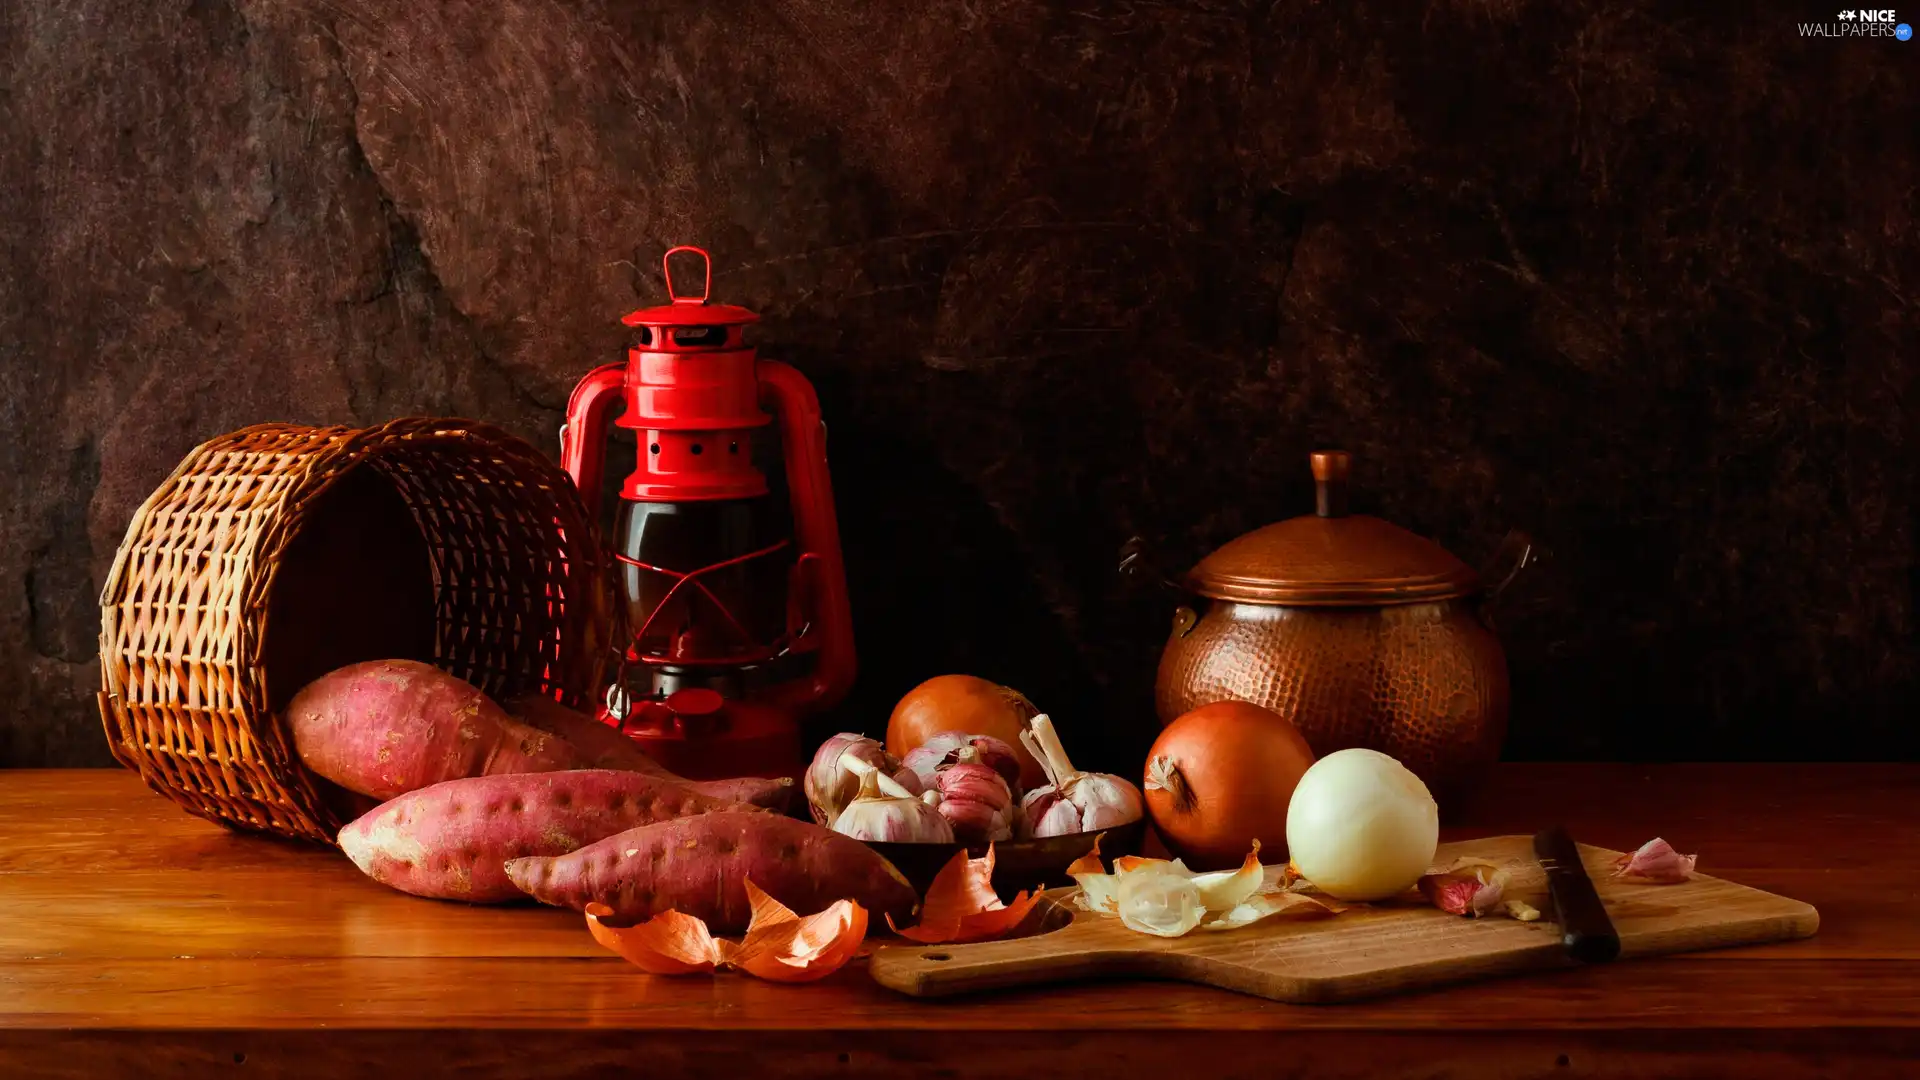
[(1356, 630)]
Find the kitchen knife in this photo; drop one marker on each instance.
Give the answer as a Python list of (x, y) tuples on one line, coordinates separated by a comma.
[(1585, 930)]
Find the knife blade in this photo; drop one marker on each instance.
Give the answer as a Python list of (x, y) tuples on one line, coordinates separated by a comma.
[(1585, 929)]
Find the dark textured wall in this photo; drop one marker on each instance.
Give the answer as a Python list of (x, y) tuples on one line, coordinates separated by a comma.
[(1639, 280)]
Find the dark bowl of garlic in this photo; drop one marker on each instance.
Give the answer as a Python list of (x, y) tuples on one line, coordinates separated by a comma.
[(961, 791), (1017, 864)]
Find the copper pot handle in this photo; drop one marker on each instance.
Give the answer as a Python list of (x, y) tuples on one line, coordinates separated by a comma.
[(1517, 552), (1138, 563)]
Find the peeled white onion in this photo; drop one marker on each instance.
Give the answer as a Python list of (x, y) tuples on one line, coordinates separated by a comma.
[(1361, 826)]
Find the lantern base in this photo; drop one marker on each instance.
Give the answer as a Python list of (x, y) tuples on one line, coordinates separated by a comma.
[(716, 739)]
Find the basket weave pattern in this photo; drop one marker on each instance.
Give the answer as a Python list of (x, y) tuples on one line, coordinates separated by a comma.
[(189, 624)]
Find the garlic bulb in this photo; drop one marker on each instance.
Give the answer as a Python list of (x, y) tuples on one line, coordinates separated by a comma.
[(974, 799), (830, 787), (886, 812), (1075, 801), (943, 749)]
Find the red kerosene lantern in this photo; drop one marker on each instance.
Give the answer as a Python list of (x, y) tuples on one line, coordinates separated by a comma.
[(737, 627)]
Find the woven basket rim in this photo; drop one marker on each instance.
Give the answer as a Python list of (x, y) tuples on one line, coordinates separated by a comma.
[(321, 455)]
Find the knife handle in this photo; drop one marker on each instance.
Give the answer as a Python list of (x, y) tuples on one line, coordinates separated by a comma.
[(1586, 931)]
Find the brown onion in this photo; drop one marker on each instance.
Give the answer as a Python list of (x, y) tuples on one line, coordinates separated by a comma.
[(964, 703), (1220, 778)]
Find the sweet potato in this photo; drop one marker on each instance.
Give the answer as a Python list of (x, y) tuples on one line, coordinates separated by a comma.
[(604, 746), (608, 749), (386, 727), (451, 841), (699, 866), (776, 795)]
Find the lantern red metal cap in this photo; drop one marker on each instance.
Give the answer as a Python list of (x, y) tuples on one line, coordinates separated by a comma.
[(690, 310)]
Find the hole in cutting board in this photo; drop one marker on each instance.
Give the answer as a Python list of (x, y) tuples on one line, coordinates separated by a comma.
[(1047, 916), (935, 956)]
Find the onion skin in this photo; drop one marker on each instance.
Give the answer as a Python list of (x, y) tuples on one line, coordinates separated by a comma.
[(1232, 767), (964, 703)]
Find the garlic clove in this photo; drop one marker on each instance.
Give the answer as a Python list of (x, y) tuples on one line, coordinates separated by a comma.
[(909, 781), (1106, 801), (1060, 818), (1467, 888), (1520, 909), (1159, 902), (1487, 899), (1655, 863), (1223, 890), (925, 760)]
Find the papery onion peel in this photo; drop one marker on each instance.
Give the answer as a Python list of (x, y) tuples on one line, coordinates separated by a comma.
[(779, 945), (961, 905)]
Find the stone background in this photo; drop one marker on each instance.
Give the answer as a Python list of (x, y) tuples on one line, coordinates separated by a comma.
[(1638, 277)]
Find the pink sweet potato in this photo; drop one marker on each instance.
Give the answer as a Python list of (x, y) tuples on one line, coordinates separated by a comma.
[(606, 748), (386, 727), (699, 866), (776, 795), (451, 841)]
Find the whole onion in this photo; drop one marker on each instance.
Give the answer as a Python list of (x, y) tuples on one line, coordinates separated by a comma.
[(830, 787), (964, 703), (944, 749), (1220, 778), (1361, 826)]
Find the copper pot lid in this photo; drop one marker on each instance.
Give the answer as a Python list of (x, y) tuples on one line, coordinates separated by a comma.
[(1331, 558)]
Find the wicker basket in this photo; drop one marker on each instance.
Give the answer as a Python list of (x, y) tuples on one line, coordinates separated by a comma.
[(277, 553)]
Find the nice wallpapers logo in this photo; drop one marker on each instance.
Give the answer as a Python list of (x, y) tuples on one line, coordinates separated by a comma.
[(1880, 23)]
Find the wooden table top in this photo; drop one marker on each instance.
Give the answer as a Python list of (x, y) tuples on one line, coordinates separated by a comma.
[(137, 940)]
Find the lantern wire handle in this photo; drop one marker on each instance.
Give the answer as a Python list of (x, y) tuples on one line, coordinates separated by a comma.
[(666, 268)]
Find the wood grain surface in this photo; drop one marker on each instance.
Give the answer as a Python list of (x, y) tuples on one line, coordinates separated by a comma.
[(135, 940), (1370, 950)]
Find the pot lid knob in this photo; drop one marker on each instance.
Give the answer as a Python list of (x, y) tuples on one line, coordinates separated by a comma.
[(1331, 469)]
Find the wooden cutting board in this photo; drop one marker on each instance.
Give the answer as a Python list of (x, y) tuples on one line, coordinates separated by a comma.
[(1362, 952)]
